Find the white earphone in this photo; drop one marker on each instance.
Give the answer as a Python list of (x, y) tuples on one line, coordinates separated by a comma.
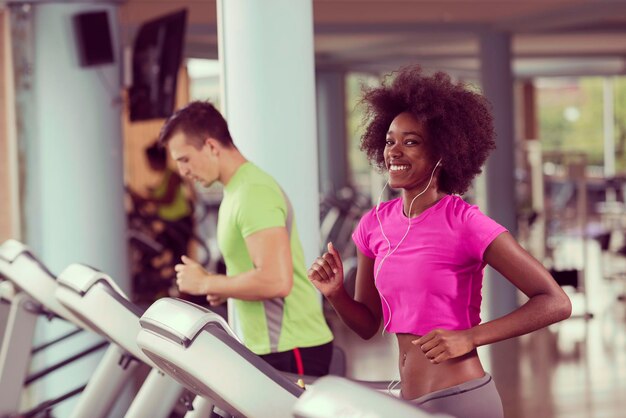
[(389, 250)]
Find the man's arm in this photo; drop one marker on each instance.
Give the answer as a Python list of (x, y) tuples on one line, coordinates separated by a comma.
[(271, 277)]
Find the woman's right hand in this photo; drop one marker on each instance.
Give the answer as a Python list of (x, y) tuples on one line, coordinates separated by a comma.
[(326, 273)]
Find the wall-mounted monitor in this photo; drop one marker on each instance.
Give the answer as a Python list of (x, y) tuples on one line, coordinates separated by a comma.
[(156, 57)]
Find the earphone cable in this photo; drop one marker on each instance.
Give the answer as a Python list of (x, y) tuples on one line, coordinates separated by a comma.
[(389, 250)]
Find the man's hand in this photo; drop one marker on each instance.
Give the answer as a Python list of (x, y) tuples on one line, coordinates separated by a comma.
[(191, 277)]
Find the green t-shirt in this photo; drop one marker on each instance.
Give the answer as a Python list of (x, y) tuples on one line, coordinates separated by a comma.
[(253, 201)]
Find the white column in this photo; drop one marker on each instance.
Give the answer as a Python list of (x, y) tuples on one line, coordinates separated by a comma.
[(69, 132), (497, 86), (500, 294), (77, 181), (266, 50)]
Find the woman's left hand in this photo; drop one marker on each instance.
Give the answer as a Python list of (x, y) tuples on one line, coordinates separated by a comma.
[(440, 345)]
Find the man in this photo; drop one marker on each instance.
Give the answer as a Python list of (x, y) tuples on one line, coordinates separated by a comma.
[(278, 312)]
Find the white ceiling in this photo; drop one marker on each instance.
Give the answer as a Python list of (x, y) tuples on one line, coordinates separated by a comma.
[(549, 37)]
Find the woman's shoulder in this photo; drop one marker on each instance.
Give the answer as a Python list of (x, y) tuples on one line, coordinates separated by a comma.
[(459, 208)]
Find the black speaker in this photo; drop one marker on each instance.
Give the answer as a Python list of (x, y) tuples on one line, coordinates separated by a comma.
[(93, 38)]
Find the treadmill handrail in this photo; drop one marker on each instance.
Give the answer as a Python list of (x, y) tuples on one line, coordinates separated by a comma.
[(213, 330), (182, 328), (11, 249), (80, 278)]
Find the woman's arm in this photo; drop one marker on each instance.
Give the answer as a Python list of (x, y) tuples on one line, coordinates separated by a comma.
[(363, 313), (547, 302), (546, 305)]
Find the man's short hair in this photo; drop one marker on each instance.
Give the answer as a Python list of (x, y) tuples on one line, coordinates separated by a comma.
[(198, 120)]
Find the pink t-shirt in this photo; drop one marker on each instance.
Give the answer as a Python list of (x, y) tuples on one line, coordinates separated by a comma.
[(434, 278)]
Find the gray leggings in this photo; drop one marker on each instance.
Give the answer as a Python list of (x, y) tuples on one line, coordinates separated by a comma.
[(477, 398)]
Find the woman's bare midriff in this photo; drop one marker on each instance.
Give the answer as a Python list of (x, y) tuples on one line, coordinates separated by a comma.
[(419, 376)]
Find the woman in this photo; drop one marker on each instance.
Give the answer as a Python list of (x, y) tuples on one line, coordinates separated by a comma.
[(421, 256)]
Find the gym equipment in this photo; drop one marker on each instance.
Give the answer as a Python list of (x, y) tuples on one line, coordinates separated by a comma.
[(333, 396), (96, 299), (7, 293), (197, 348), (26, 293)]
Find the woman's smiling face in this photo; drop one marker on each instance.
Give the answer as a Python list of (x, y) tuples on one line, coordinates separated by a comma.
[(407, 153)]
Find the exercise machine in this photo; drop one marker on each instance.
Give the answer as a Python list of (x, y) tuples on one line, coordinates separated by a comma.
[(26, 294), (333, 396), (197, 348), (96, 299)]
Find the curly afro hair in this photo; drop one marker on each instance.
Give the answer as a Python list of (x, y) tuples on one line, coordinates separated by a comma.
[(458, 121)]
